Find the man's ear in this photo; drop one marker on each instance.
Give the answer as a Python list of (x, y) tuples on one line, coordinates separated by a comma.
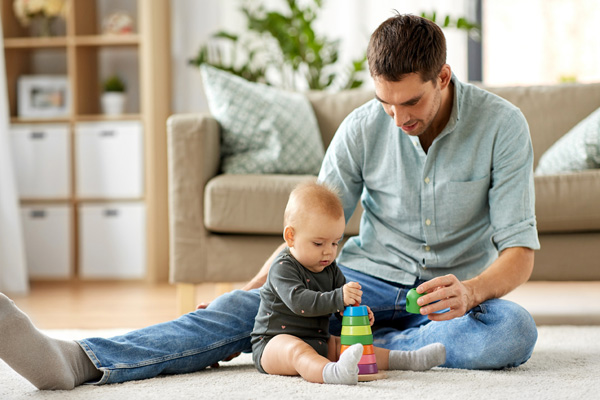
[(445, 76), (288, 235)]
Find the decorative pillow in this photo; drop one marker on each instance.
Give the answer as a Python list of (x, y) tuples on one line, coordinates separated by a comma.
[(265, 130), (577, 150)]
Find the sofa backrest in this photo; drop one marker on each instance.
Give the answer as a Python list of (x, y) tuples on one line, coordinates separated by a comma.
[(331, 108), (550, 110)]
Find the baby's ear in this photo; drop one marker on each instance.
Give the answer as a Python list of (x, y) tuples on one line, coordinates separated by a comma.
[(288, 235)]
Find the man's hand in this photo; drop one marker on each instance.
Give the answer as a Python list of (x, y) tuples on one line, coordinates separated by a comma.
[(352, 293), (445, 292)]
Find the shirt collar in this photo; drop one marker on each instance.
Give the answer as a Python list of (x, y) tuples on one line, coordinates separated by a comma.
[(455, 113)]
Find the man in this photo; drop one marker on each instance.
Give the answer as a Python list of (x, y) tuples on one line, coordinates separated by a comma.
[(443, 171)]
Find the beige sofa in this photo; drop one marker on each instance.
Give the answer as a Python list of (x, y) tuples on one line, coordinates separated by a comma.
[(223, 227)]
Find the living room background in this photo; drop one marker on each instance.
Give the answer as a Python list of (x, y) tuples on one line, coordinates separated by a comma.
[(532, 42), (523, 43)]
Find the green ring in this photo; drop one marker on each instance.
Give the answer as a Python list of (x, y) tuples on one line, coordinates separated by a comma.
[(360, 330), (355, 321), (363, 339)]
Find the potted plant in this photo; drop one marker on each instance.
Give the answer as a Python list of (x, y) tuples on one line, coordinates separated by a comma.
[(113, 96)]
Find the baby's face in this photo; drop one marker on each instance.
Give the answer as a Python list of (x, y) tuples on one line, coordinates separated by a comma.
[(316, 241)]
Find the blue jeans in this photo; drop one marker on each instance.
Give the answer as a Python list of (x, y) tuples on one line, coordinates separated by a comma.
[(496, 334)]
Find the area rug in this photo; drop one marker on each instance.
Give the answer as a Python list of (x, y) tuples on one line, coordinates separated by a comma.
[(564, 365)]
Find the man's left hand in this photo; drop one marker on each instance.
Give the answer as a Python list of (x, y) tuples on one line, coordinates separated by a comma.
[(445, 293)]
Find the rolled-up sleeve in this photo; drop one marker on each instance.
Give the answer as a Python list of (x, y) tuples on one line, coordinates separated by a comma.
[(512, 192)]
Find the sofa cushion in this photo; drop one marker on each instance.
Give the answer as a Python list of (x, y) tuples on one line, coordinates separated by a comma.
[(568, 202), (264, 129), (577, 150), (253, 203), (332, 107)]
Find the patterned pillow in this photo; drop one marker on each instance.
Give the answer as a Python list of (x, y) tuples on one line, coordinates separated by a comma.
[(577, 150), (265, 130)]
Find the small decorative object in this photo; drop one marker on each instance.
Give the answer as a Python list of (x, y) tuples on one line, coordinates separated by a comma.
[(43, 12), (43, 96), (113, 98), (411, 301), (118, 23)]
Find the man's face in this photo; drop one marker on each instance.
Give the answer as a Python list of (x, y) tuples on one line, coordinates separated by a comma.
[(412, 103)]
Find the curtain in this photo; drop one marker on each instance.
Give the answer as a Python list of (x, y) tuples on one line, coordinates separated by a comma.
[(13, 270)]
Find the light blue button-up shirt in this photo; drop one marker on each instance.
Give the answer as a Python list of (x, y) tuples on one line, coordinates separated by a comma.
[(450, 210)]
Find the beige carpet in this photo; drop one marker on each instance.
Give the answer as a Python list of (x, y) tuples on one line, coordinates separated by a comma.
[(564, 365)]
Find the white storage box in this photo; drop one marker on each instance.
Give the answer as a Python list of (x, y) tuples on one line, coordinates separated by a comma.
[(112, 241), (109, 159), (42, 155), (48, 240)]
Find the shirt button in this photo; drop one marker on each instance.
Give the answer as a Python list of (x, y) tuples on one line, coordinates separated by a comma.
[(427, 222), (427, 248), (427, 180), (416, 143)]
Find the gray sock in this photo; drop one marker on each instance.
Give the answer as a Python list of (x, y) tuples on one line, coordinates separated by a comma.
[(345, 371), (418, 360), (46, 362)]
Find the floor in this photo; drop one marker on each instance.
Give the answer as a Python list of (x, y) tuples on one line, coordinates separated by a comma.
[(105, 305)]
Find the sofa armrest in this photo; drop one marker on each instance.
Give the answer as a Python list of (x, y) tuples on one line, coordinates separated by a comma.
[(193, 148)]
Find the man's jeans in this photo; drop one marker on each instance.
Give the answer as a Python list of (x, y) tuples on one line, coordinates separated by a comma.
[(496, 334)]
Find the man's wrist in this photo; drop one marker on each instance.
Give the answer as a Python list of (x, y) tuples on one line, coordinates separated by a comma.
[(473, 294)]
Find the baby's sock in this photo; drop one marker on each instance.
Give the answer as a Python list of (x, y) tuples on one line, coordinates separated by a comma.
[(345, 371), (46, 362), (418, 360)]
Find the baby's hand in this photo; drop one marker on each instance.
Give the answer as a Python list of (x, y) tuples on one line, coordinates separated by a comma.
[(371, 316), (352, 293)]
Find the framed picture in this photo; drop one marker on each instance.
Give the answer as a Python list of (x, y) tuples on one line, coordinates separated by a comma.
[(43, 96)]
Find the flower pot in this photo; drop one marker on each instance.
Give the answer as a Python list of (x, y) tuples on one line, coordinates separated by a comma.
[(113, 103)]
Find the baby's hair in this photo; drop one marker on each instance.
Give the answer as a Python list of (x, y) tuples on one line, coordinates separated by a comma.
[(314, 197)]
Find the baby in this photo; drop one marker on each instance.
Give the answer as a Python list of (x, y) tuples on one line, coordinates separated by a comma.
[(304, 286)]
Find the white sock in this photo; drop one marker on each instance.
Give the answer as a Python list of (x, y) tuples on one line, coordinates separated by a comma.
[(345, 371), (418, 360), (46, 362)]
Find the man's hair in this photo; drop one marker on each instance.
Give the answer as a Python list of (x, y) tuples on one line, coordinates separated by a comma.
[(312, 197), (405, 44)]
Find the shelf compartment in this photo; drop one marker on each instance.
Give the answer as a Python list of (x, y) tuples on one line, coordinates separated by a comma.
[(112, 240), (96, 63), (48, 240), (31, 61), (12, 27), (109, 160), (90, 14), (42, 155)]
